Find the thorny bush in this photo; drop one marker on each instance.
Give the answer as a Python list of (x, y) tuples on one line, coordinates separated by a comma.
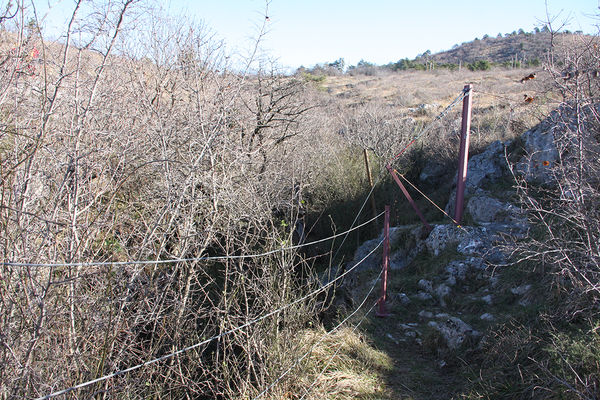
[(563, 209), (122, 144)]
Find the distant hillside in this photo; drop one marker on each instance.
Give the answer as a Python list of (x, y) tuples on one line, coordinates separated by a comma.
[(521, 47), (517, 49)]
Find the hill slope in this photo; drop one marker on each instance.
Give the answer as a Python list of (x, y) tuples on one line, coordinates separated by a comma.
[(523, 47)]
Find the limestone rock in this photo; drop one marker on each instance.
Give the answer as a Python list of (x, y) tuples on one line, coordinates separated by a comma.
[(432, 172), (361, 255), (425, 285), (403, 298), (541, 155), (454, 331), (487, 317), (483, 169), (424, 296), (487, 299), (484, 208), (406, 240), (409, 326), (494, 280), (392, 338), (442, 292), (473, 244), (541, 143), (524, 302), (486, 167), (423, 108), (444, 235), (520, 290), (457, 270)]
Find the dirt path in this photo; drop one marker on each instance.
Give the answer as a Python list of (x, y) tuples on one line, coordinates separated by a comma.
[(415, 374)]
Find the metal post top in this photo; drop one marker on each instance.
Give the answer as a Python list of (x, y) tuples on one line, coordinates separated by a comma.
[(463, 157)]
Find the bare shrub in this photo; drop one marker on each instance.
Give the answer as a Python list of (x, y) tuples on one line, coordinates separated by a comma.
[(377, 127), (566, 209), (563, 212), (122, 146)]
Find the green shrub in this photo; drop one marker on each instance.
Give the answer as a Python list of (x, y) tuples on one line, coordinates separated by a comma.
[(481, 65), (308, 77)]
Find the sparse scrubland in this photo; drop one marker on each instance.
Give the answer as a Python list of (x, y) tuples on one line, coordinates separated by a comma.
[(138, 168)]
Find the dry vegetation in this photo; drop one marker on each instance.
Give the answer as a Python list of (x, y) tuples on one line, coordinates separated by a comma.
[(559, 351), (124, 146), (516, 47), (132, 140)]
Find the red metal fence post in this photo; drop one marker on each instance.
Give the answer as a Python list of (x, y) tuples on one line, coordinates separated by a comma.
[(463, 157), (409, 198), (381, 311)]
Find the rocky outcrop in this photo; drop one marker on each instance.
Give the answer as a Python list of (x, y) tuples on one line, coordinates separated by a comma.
[(486, 167), (483, 169), (460, 270), (454, 331), (485, 209), (446, 235), (432, 173), (542, 146), (464, 295), (404, 240), (541, 155)]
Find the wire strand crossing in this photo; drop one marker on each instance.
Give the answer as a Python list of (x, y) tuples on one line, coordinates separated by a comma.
[(179, 260), (319, 342), (430, 200), (186, 349), (465, 92)]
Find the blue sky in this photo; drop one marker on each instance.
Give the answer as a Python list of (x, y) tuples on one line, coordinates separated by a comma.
[(306, 32), (314, 31)]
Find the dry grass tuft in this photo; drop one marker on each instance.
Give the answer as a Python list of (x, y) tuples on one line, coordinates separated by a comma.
[(342, 366)]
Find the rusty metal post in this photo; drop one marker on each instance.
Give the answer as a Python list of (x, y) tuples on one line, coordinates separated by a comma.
[(381, 310), (409, 198), (463, 156)]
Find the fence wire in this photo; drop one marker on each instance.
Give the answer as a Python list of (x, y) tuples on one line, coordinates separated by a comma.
[(459, 98), (194, 259), (299, 360), (194, 346)]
